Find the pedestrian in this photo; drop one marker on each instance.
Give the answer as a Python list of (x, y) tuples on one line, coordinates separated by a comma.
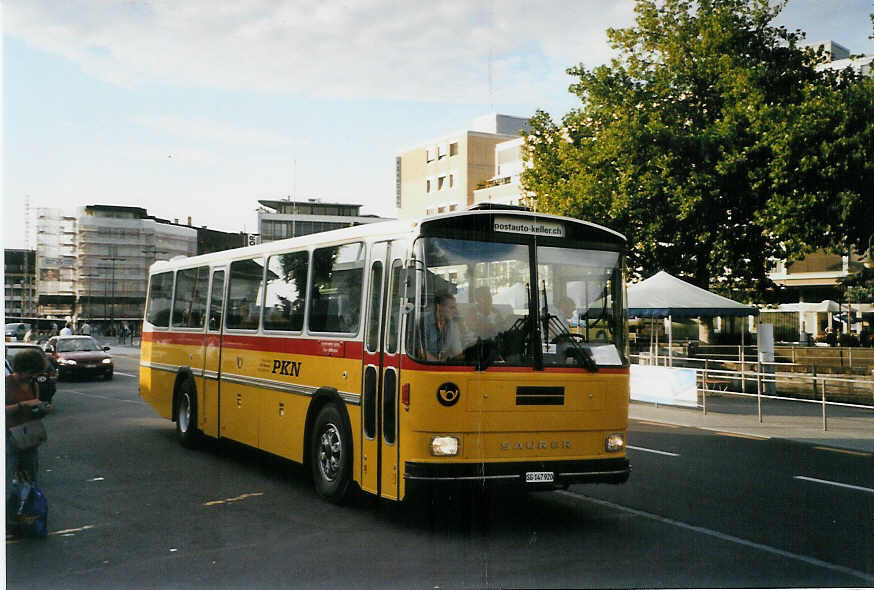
[(67, 330), (22, 397), (85, 329), (28, 336), (53, 331)]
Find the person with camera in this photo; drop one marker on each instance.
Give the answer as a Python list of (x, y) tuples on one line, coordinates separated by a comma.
[(22, 406)]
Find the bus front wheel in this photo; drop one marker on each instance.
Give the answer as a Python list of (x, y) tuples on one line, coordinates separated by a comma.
[(331, 455), (186, 414)]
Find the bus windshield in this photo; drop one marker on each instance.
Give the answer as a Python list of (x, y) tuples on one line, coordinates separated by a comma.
[(479, 304)]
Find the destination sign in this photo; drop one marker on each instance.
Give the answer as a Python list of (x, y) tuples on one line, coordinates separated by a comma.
[(529, 227)]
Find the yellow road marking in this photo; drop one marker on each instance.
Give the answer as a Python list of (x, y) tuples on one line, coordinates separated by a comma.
[(844, 451), (662, 424), (235, 499), (739, 435)]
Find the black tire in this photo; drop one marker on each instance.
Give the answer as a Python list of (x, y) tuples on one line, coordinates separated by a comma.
[(331, 455), (107, 376), (186, 414)]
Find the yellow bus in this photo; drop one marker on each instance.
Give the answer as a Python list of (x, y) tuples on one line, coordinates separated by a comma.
[(483, 345)]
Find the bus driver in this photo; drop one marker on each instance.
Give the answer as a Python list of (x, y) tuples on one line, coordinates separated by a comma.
[(442, 339)]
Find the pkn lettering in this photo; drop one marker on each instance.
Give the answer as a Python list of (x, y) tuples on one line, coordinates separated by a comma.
[(290, 368)]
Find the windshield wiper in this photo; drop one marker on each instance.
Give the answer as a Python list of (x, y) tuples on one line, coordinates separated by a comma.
[(581, 353)]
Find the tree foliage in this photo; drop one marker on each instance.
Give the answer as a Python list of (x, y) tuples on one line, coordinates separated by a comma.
[(713, 143)]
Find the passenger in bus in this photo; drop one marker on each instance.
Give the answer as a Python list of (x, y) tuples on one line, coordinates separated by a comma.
[(442, 339), (486, 321)]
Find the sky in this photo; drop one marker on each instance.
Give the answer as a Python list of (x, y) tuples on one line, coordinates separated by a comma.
[(201, 108)]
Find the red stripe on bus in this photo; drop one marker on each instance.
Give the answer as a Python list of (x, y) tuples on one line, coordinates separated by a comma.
[(413, 365), (313, 347)]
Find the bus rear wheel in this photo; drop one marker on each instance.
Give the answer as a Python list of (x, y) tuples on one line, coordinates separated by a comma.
[(186, 414), (331, 455)]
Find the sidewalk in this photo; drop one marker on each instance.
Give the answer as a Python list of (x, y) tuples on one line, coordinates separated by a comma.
[(846, 430)]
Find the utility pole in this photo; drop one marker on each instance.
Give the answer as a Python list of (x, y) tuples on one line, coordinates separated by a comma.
[(113, 257)]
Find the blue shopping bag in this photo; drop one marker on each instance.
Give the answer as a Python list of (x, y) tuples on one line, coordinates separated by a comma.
[(33, 513)]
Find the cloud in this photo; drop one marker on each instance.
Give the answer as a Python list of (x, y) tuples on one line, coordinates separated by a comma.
[(359, 49)]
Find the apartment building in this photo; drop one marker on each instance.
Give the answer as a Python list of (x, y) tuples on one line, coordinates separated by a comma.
[(115, 247), (284, 218), (19, 283), (56, 262), (468, 166)]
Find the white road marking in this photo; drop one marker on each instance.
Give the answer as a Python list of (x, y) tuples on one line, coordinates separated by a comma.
[(645, 450), (115, 399), (725, 537), (835, 483), (124, 374)]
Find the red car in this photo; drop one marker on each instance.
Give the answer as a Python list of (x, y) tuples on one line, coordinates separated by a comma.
[(77, 356)]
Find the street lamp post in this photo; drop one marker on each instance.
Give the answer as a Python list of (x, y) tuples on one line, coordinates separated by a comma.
[(113, 257)]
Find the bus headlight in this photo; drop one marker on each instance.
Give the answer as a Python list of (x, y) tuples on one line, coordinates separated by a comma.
[(443, 446), (615, 441)]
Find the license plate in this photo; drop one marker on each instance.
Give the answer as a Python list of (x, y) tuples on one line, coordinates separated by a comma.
[(539, 476)]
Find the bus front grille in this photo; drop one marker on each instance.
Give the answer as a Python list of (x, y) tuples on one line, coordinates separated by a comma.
[(539, 396)]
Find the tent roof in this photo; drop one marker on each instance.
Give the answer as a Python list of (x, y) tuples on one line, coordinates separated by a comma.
[(663, 295)]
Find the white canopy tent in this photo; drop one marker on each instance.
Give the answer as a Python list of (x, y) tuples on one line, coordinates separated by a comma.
[(665, 296)]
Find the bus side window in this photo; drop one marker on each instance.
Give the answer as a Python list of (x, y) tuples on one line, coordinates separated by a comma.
[(190, 297), (284, 291), (243, 293), (216, 299), (160, 291), (335, 298)]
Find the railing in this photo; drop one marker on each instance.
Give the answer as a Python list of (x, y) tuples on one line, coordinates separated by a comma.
[(723, 377)]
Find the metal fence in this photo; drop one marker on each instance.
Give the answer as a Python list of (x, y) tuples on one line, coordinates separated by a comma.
[(764, 381)]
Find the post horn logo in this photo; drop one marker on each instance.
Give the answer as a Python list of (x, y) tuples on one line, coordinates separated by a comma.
[(448, 394)]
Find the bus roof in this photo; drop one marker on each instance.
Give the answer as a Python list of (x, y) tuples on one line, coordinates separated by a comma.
[(392, 229)]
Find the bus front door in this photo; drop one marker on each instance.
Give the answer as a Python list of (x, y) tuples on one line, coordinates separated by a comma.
[(379, 413)]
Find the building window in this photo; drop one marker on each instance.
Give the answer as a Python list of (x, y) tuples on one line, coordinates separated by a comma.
[(451, 180), (453, 149), (453, 207), (441, 182), (428, 186), (429, 154)]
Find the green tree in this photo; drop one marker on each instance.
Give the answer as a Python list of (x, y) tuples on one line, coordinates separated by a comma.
[(712, 142)]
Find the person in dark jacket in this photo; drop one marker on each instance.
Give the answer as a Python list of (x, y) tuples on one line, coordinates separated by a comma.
[(22, 398)]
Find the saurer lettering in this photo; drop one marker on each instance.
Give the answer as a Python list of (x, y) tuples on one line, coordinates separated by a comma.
[(290, 368)]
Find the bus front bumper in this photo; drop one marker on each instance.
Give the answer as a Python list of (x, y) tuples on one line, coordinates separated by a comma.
[(533, 474)]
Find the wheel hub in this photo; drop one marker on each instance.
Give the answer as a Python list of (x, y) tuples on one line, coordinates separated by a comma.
[(330, 452)]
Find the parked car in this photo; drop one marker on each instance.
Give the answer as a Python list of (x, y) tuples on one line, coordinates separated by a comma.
[(16, 331), (78, 356), (47, 380)]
